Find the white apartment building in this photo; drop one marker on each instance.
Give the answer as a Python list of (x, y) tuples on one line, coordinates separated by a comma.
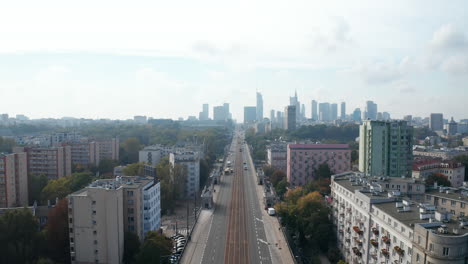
[(384, 220), (191, 161)]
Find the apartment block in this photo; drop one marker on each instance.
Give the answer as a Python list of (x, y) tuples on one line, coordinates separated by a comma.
[(191, 161), (13, 180), (450, 200), (153, 154), (304, 159), (54, 162), (385, 220), (96, 223), (107, 149), (83, 153), (385, 148), (277, 155), (442, 153), (454, 171)]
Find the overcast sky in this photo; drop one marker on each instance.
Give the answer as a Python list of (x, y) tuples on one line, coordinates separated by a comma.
[(112, 59)]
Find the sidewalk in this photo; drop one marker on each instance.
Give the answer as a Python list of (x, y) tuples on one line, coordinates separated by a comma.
[(197, 244), (278, 245)]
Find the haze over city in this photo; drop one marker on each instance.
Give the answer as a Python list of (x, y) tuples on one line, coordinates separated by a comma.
[(164, 59)]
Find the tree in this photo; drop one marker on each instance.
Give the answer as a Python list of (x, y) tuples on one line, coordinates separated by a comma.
[(80, 180), (106, 166), (36, 184), (204, 172), (277, 176), (131, 147), (131, 247), (155, 249), (19, 237), (323, 171), (58, 188), (134, 169), (6, 144), (281, 187), (268, 170), (57, 233), (441, 180)]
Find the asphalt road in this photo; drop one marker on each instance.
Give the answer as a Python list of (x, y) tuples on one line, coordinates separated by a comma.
[(237, 233)]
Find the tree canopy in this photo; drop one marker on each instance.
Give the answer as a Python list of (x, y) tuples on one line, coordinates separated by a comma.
[(155, 249), (441, 180)]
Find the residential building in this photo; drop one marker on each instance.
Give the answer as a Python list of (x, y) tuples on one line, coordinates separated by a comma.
[(227, 112), (442, 153), (343, 111), (304, 159), (290, 117), (436, 122), (409, 119), (371, 110), (386, 116), (272, 117), (315, 115), (384, 220), (259, 107), (277, 155), (205, 114), (191, 161), (450, 200), (219, 113), (465, 141), (96, 223), (107, 149), (83, 153), (13, 180), (454, 171), (54, 162), (250, 114), (385, 148), (152, 155), (334, 111)]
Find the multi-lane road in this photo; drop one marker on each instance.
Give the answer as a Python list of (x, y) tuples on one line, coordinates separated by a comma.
[(237, 233)]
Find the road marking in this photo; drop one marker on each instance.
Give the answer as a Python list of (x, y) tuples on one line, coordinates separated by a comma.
[(263, 241), (258, 219)]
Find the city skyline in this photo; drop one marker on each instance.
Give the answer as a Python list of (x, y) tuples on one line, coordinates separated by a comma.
[(327, 52)]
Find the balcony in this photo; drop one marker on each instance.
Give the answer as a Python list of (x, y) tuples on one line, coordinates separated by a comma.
[(357, 230), (357, 252), (386, 240), (375, 231), (399, 251), (384, 252)]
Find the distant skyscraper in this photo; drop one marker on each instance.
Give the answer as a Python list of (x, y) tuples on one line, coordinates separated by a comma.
[(452, 127), (357, 115), (371, 110), (250, 114), (295, 102), (314, 110), (324, 112), (279, 119), (290, 117), (343, 111), (379, 116), (219, 113), (272, 116), (226, 111), (408, 118), (386, 116), (334, 112), (205, 113), (386, 148), (259, 107), (303, 117), (436, 122)]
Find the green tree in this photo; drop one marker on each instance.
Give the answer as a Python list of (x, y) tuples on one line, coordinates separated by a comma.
[(268, 170), (277, 176), (204, 172), (134, 169), (131, 247), (36, 184), (77, 181), (281, 187), (58, 188), (441, 180), (131, 147), (323, 171), (106, 166), (19, 237), (6, 144), (155, 249)]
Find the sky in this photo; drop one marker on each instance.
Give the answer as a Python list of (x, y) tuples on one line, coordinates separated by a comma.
[(164, 59)]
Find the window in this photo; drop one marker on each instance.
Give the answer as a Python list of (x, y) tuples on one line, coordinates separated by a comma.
[(431, 247), (130, 210), (94, 232), (130, 202), (71, 230), (94, 212), (93, 202), (419, 239), (417, 257), (444, 201), (462, 205), (95, 242), (453, 203), (445, 251), (71, 239)]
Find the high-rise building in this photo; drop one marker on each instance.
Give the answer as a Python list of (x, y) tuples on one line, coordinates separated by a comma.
[(54, 162), (371, 110), (259, 107), (227, 113), (290, 117), (272, 116), (452, 127), (409, 119), (250, 114), (386, 116), (280, 119), (294, 101), (436, 122), (303, 116), (324, 112), (357, 115), (219, 113), (191, 161), (205, 113), (314, 110), (13, 180), (386, 148), (343, 111), (334, 112)]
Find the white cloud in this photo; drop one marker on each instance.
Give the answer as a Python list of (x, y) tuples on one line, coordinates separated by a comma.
[(447, 38), (457, 64)]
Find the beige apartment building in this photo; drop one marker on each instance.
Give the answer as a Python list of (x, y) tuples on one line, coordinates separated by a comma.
[(385, 220), (451, 200), (55, 162), (13, 180), (107, 149), (96, 224), (454, 171), (90, 153)]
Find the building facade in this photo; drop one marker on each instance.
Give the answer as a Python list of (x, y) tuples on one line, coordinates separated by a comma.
[(277, 155), (304, 159), (314, 110), (250, 114), (290, 117), (371, 110), (259, 107), (191, 161), (13, 180), (54, 162), (454, 171), (436, 122), (385, 148)]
